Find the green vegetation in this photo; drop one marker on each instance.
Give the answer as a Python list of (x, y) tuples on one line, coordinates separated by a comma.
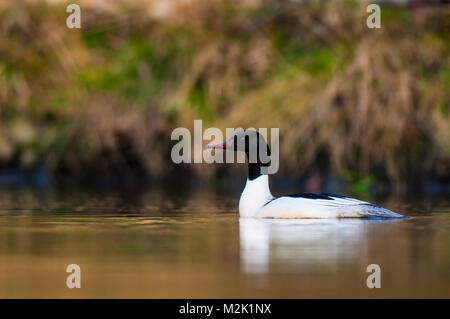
[(371, 102)]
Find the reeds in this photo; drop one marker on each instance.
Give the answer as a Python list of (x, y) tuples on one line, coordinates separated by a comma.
[(346, 98)]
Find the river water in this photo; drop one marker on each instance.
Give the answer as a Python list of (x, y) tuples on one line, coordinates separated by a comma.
[(157, 245)]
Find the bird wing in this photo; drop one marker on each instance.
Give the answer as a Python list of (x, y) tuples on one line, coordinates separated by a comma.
[(323, 205)]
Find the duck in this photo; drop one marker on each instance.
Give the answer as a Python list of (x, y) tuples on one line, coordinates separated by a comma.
[(257, 201)]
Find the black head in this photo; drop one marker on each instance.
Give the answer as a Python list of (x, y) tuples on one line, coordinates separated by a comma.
[(255, 147)]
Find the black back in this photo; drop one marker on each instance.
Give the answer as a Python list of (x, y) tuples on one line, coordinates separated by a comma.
[(328, 196)]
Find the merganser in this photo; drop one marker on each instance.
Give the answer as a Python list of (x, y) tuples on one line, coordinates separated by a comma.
[(257, 201)]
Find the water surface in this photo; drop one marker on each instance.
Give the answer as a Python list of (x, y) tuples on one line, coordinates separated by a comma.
[(154, 245)]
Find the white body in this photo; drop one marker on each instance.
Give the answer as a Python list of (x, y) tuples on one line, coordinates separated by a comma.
[(257, 202)]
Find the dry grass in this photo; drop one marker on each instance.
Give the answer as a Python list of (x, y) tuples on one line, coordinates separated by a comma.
[(346, 98)]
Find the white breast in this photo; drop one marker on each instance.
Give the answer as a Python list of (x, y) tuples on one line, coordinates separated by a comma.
[(255, 195)]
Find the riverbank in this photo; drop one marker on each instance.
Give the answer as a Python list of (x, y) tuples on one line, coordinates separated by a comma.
[(357, 103)]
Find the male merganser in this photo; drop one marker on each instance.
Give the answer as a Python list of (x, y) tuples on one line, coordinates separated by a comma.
[(258, 202)]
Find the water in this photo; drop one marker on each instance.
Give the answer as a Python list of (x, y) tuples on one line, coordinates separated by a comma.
[(154, 245)]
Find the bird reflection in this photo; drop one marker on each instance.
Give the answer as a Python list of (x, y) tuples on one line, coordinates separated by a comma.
[(300, 243)]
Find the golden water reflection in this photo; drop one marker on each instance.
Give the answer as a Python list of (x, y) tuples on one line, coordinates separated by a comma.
[(153, 245)]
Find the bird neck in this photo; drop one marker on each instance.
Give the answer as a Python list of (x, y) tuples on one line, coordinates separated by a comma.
[(254, 196), (255, 168)]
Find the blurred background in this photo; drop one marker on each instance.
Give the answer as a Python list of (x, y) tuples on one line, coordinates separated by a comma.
[(86, 176), (96, 106)]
